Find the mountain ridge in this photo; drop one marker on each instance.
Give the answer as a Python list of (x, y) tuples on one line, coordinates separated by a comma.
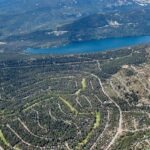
[(45, 14)]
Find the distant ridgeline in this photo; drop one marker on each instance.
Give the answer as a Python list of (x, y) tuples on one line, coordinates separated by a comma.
[(96, 26)]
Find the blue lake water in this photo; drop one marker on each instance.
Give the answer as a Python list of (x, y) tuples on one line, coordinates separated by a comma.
[(92, 46)]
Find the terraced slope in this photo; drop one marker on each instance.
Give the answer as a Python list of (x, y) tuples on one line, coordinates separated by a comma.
[(93, 101)]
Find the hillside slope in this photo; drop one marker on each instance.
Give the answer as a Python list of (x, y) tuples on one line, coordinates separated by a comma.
[(92, 101)]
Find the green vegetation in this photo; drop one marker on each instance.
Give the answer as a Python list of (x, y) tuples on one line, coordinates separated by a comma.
[(84, 86), (16, 148), (69, 105), (89, 135), (85, 141), (127, 140), (59, 102), (78, 92), (98, 119), (3, 139), (129, 72)]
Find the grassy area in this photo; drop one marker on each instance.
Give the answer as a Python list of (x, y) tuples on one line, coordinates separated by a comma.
[(69, 105), (3, 139), (98, 119), (87, 138), (84, 84), (16, 148), (78, 92), (84, 141)]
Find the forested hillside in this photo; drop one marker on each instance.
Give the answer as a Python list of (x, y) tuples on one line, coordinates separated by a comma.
[(92, 101)]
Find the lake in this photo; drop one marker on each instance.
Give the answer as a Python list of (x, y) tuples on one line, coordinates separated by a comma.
[(92, 46)]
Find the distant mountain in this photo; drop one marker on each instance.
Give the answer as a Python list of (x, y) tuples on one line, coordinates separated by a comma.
[(45, 23), (117, 24), (25, 16), (96, 26)]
